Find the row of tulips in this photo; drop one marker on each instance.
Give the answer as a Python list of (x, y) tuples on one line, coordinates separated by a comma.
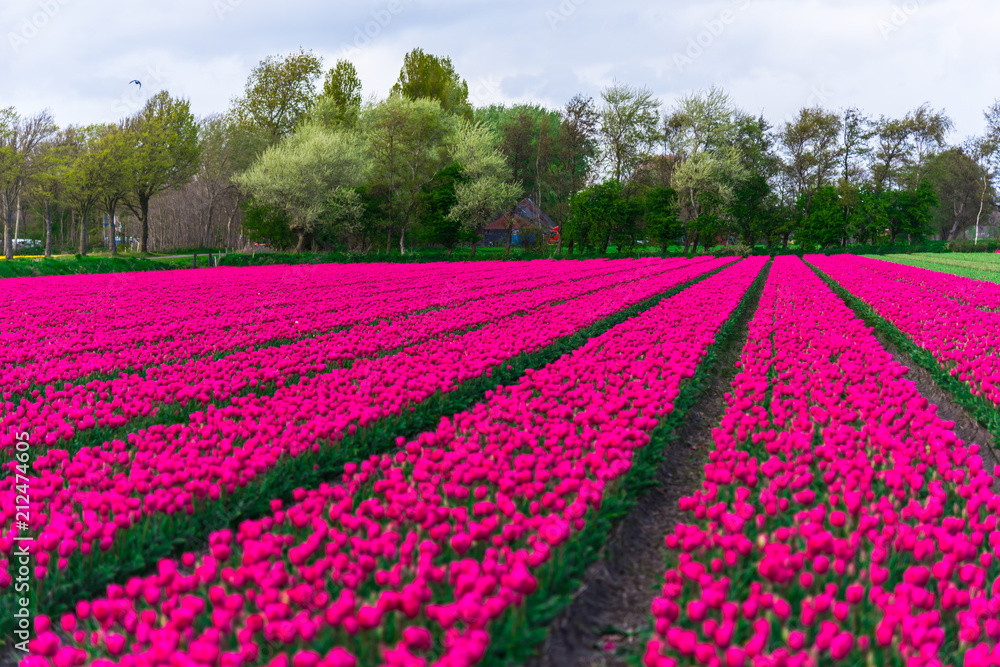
[(938, 312), (104, 324), (419, 554), (840, 520), (977, 293), (67, 413), (92, 500)]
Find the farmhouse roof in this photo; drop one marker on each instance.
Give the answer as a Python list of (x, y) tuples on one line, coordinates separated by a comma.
[(525, 215)]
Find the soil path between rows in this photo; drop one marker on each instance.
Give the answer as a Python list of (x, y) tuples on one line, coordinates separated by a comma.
[(606, 621)]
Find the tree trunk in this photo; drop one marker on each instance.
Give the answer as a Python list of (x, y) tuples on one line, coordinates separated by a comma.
[(144, 219), (48, 231), (473, 248), (402, 234), (83, 233), (301, 245), (982, 199), (388, 241), (569, 250), (8, 241), (17, 221), (114, 235)]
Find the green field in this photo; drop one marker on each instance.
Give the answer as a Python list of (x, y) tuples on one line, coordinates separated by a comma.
[(981, 266)]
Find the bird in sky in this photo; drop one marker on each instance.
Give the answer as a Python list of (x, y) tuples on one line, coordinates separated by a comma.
[(137, 81)]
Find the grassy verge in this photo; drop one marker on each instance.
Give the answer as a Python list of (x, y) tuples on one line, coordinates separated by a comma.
[(137, 550), (21, 267), (979, 266), (982, 410), (518, 634)]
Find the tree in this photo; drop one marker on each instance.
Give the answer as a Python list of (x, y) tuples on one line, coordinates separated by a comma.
[(310, 177), (576, 157), (426, 76), (279, 92), (701, 134), (960, 184), (857, 132), (909, 211), (824, 223), (21, 138), (340, 103), (166, 152), (487, 186), (985, 150), (529, 139), (407, 145), (752, 203), (112, 172), (903, 146), (811, 146), (662, 216), (225, 149), (436, 202), (82, 190), (630, 119)]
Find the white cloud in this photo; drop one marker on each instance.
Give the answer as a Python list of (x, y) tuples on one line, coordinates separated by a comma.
[(884, 56)]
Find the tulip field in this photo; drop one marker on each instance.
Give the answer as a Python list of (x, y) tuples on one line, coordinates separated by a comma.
[(402, 465)]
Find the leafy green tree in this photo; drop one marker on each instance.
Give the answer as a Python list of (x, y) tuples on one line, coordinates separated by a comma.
[(426, 76), (811, 143), (576, 156), (488, 186), (824, 222), (267, 224), (436, 202), (957, 180), (529, 139), (310, 176), (752, 203), (165, 153), (600, 213), (910, 211), (113, 172), (701, 133), (21, 139), (903, 146), (407, 143), (662, 216), (82, 190), (630, 128), (340, 103), (279, 93)]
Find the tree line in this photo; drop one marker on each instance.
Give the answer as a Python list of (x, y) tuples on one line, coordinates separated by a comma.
[(302, 160)]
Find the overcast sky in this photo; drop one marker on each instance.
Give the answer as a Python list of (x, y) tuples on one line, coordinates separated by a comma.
[(76, 57)]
